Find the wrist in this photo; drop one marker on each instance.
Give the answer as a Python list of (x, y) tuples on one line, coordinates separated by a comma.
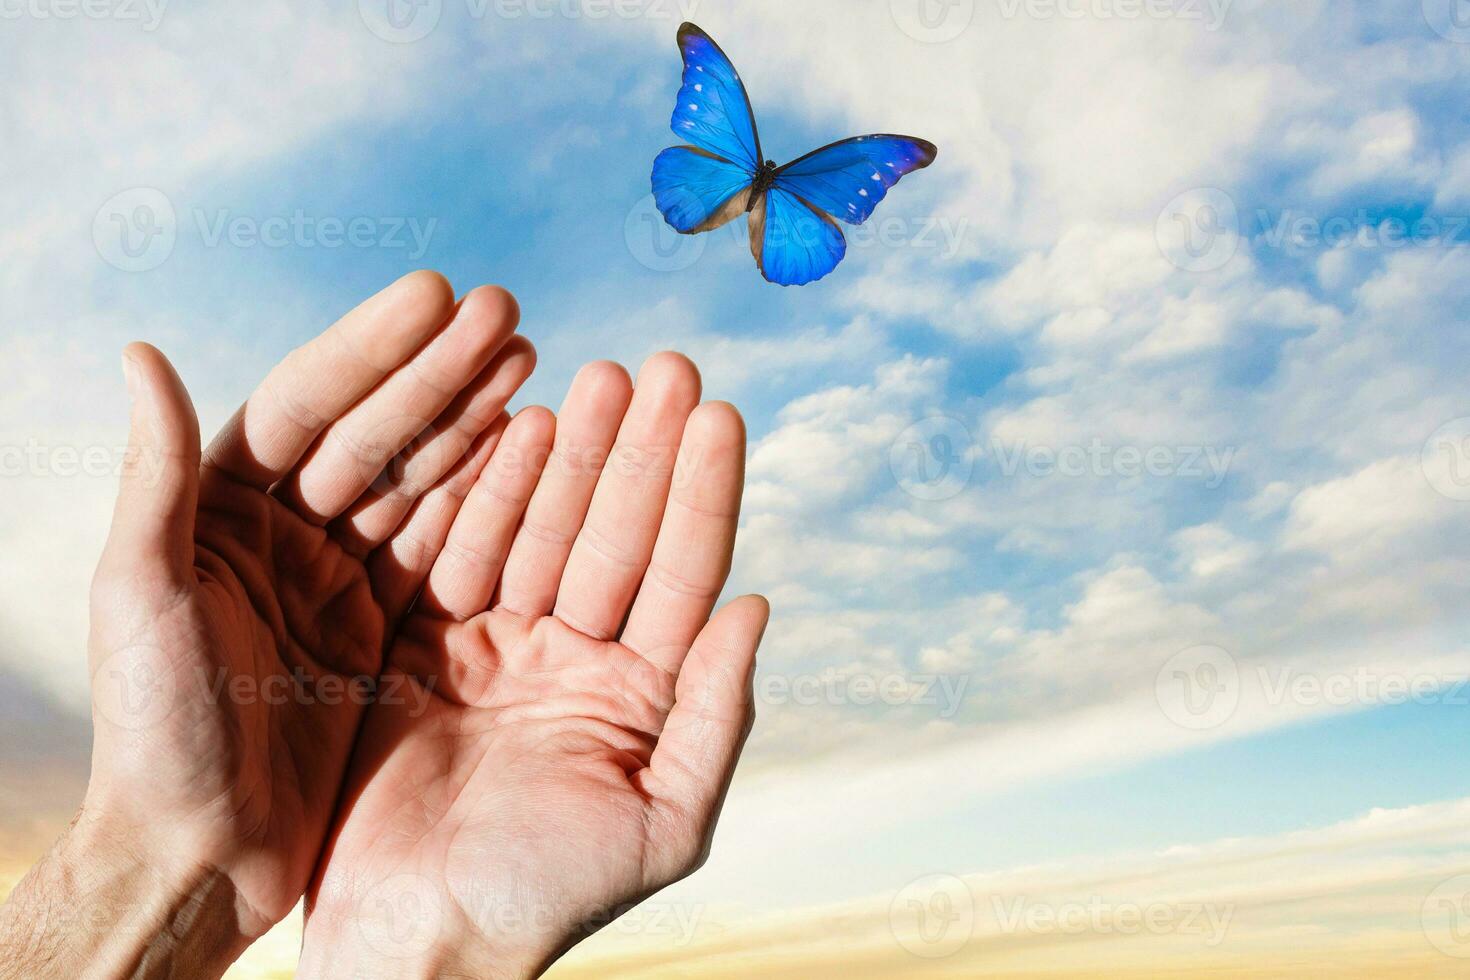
[(97, 904), (407, 929)]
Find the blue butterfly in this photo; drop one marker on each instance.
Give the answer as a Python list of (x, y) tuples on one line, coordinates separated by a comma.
[(793, 232)]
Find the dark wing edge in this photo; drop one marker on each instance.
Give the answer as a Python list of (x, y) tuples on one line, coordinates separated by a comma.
[(930, 150)]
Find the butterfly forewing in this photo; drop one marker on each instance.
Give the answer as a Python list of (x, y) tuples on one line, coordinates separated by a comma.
[(849, 178), (713, 111)]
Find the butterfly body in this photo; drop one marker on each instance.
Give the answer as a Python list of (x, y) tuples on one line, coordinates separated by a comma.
[(764, 178), (793, 209)]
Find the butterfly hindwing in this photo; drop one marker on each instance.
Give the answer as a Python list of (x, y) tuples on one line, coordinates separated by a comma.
[(696, 191), (793, 243), (713, 112), (849, 178)]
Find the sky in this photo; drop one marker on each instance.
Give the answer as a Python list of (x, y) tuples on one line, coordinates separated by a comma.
[(1112, 496)]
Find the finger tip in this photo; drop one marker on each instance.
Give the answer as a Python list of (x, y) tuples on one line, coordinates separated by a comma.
[(672, 370), (497, 302), (719, 422), (535, 423), (425, 287)]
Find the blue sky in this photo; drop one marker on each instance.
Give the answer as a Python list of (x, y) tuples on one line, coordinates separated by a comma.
[(1032, 293)]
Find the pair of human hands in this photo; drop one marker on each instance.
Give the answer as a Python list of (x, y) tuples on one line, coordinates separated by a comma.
[(452, 676)]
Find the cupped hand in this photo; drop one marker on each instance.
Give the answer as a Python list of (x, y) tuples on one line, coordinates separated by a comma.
[(573, 713), (242, 607)]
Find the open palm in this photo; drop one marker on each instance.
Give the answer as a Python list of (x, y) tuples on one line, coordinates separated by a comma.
[(571, 713), (243, 607)]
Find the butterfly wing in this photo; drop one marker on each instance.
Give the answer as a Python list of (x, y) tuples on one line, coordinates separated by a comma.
[(713, 112), (847, 179), (696, 191), (793, 242)]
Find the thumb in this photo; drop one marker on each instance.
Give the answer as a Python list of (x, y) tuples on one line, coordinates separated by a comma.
[(153, 523), (714, 708)]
